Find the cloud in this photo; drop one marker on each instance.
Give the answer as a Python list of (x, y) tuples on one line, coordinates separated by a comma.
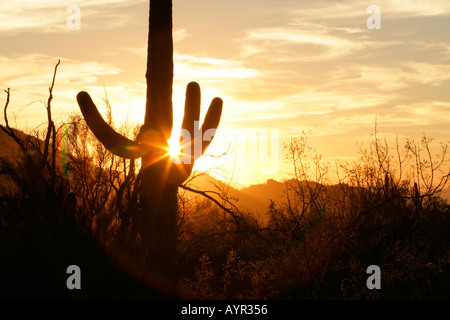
[(30, 76), (383, 78), (339, 11), (321, 30), (287, 44), (338, 76), (180, 34), (415, 8), (51, 15), (210, 69), (36, 70), (348, 97), (423, 113)]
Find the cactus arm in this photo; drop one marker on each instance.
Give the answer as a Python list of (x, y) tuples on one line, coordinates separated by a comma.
[(113, 141), (191, 121), (211, 121), (191, 107), (198, 140), (193, 139), (190, 125)]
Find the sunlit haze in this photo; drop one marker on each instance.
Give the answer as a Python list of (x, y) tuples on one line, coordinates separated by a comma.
[(281, 67)]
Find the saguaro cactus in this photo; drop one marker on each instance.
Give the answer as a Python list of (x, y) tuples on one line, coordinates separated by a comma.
[(159, 176)]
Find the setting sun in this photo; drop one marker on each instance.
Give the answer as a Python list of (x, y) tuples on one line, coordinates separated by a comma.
[(174, 148)]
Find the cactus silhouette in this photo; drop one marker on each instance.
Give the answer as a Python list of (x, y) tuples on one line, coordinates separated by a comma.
[(159, 177)]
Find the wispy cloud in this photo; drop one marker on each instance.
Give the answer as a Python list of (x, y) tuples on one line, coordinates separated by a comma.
[(287, 44), (30, 76), (51, 15), (351, 9), (210, 69), (180, 34), (36, 70)]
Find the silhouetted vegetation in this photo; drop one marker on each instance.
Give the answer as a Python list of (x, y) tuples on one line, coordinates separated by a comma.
[(61, 197), (66, 200)]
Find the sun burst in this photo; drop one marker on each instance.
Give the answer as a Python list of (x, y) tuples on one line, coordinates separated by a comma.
[(174, 149)]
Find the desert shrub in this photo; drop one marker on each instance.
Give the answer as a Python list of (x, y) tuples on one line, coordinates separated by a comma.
[(58, 208)]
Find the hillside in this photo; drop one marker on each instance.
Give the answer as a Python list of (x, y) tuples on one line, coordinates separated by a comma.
[(8, 147), (244, 199), (271, 190), (254, 198)]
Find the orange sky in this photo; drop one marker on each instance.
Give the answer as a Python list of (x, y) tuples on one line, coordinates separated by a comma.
[(281, 67)]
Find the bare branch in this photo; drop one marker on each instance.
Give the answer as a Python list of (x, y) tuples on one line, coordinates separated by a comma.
[(8, 130), (206, 195), (50, 124), (5, 116)]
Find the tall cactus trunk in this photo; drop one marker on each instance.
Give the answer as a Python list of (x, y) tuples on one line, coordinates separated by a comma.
[(157, 191), (159, 208), (158, 111)]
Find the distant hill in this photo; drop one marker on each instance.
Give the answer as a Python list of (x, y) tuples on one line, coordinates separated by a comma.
[(243, 199), (255, 198), (271, 190), (445, 194), (8, 147)]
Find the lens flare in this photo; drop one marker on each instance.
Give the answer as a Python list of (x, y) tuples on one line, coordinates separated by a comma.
[(174, 149), (62, 146)]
